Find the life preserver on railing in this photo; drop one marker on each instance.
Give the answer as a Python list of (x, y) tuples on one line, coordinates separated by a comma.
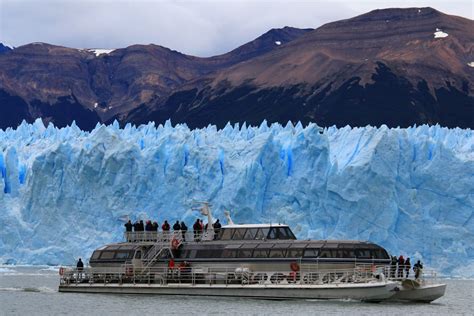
[(174, 243), (61, 271), (295, 266), (129, 271)]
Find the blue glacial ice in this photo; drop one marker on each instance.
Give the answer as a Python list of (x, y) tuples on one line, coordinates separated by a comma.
[(63, 192)]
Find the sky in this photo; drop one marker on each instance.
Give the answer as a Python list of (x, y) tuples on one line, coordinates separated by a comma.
[(195, 27)]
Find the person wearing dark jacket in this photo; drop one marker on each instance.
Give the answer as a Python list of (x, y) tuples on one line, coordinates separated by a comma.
[(165, 227), (197, 230), (407, 267), (401, 266), (80, 267), (418, 268), (142, 226), (128, 226), (176, 226), (155, 226), (149, 226), (217, 228), (393, 266), (136, 226), (184, 229)]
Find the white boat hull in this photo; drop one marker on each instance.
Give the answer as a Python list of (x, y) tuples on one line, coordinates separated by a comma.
[(364, 292), (422, 293)]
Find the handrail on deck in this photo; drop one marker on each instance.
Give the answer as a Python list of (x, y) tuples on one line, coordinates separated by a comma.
[(307, 275)]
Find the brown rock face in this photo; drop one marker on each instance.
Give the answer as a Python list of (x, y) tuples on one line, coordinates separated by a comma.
[(43, 76), (395, 66)]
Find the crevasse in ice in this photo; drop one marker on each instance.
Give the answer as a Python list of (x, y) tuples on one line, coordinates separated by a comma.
[(63, 192)]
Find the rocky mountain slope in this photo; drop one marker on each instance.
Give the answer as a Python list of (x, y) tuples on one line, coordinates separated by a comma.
[(62, 84), (397, 67)]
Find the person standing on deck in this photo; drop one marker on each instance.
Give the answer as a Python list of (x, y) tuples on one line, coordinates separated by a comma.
[(401, 266), (407, 267), (184, 230), (80, 268)]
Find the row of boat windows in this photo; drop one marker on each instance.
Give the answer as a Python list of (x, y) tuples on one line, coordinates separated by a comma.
[(286, 253), (110, 255), (257, 233)]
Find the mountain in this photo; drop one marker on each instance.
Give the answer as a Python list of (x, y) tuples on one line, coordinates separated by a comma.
[(61, 84), (4, 48), (397, 67)]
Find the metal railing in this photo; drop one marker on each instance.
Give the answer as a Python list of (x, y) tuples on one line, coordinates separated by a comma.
[(182, 273), (164, 237)]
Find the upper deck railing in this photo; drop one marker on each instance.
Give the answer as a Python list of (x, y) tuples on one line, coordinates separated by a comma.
[(166, 237)]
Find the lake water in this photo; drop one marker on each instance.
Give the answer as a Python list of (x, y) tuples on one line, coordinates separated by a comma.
[(33, 291)]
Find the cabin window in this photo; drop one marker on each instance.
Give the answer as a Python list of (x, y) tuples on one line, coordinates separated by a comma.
[(363, 253), (279, 233), (260, 253), (228, 253), (107, 255), (227, 234), (347, 253), (311, 253), (295, 253), (261, 234), (245, 253), (138, 254), (238, 234), (326, 253), (250, 234), (95, 255), (123, 255), (277, 253)]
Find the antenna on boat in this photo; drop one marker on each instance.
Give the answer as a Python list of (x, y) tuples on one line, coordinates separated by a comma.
[(229, 219)]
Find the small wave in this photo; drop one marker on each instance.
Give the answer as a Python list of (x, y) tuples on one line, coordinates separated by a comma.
[(42, 289), (6, 270)]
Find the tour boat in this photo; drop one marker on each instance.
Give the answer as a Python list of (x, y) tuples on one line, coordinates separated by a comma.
[(245, 260)]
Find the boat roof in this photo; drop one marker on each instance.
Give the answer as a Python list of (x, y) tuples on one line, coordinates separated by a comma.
[(254, 225)]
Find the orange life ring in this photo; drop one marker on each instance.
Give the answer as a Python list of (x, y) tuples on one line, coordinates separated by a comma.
[(175, 243), (294, 266), (129, 271), (61, 271)]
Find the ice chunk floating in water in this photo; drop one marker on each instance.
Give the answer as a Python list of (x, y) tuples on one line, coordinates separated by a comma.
[(63, 192)]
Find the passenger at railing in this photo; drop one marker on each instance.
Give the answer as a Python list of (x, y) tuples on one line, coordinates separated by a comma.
[(80, 268), (148, 226), (136, 226), (176, 226), (197, 230), (166, 229), (128, 226), (142, 226), (155, 226), (217, 228), (407, 267), (184, 230), (418, 268), (393, 266), (401, 266)]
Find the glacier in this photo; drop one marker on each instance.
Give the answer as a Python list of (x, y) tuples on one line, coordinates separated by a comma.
[(64, 192)]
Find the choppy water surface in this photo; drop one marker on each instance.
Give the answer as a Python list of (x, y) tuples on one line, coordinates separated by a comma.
[(33, 291)]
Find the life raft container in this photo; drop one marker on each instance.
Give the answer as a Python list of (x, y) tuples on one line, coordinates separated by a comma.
[(295, 267)]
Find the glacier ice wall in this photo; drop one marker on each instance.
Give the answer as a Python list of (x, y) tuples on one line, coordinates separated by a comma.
[(63, 191)]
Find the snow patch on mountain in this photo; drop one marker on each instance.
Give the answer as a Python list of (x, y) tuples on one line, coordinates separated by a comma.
[(64, 191), (100, 51), (278, 43), (440, 34)]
